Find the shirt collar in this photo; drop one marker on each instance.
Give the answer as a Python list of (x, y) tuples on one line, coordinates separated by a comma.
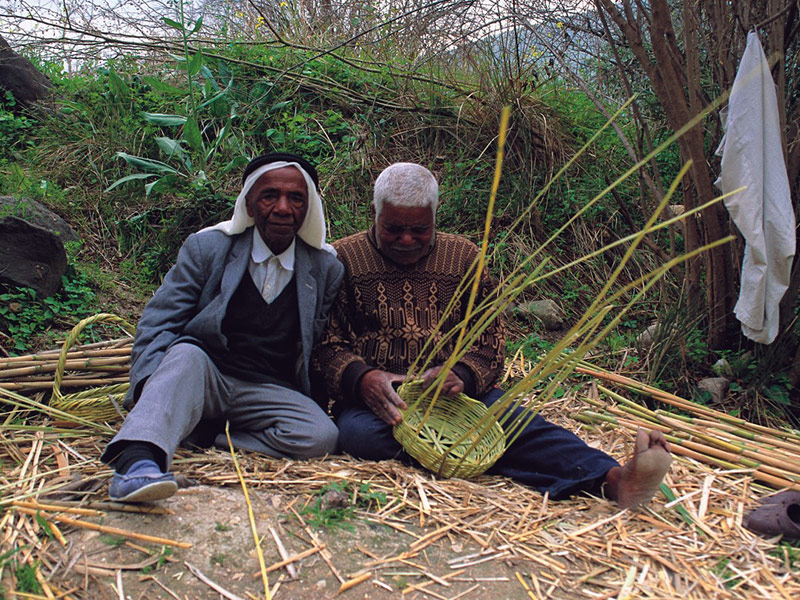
[(262, 253)]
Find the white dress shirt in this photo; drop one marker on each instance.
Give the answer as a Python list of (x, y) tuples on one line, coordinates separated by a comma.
[(270, 272)]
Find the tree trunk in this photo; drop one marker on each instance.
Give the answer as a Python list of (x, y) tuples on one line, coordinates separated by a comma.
[(674, 76)]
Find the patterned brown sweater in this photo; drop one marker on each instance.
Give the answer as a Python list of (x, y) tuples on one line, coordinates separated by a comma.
[(385, 313)]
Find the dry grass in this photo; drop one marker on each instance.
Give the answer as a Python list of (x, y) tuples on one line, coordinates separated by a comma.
[(691, 547)]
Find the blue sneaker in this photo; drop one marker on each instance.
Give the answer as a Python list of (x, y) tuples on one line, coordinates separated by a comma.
[(144, 482)]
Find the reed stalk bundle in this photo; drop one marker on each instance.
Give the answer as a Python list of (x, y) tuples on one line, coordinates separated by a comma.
[(97, 372), (704, 434)]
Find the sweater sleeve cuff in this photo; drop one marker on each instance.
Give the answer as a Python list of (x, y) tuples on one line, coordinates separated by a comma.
[(351, 378), (465, 374)]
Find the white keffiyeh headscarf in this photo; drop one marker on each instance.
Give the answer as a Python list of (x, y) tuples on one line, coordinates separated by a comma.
[(312, 231)]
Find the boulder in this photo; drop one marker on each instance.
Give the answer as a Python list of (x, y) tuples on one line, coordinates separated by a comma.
[(645, 340), (722, 368), (19, 76), (37, 213), (31, 256), (548, 312), (717, 387)]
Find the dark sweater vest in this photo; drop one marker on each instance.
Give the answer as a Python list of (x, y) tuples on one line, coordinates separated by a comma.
[(263, 339)]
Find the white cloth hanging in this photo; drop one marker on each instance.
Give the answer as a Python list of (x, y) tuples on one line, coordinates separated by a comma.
[(752, 156)]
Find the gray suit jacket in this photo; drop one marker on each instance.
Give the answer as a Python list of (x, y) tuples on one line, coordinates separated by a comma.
[(192, 301)]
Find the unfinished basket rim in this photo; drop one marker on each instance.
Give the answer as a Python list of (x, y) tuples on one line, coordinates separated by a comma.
[(456, 439)]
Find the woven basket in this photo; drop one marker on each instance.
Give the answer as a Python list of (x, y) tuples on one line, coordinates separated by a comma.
[(98, 403), (437, 443)]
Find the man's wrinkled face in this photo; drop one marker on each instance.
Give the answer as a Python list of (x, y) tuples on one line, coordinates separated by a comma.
[(405, 233), (278, 203)]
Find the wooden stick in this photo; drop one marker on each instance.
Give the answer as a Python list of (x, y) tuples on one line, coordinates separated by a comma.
[(250, 514), (107, 348), (354, 582), (65, 383), (524, 585), (674, 400), (323, 553), (33, 505), (46, 588), (70, 365), (284, 555), (116, 531), (291, 559), (708, 455), (220, 590), (787, 463)]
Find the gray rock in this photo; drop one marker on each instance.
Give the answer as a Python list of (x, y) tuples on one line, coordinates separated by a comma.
[(644, 341), (31, 256), (548, 312), (722, 368), (716, 386), (38, 214)]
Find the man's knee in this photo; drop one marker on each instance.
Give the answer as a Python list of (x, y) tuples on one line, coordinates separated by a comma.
[(187, 356), (324, 440), (364, 435)]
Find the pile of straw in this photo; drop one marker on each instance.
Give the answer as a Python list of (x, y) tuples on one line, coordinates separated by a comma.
[(688, 543)]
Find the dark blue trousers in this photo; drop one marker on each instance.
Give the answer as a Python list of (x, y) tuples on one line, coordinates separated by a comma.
[(544, 456)]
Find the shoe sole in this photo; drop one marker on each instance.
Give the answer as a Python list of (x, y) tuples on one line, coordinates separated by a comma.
[(158, 490)]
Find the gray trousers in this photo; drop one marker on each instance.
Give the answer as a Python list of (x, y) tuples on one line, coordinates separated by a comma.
[(187, 387)]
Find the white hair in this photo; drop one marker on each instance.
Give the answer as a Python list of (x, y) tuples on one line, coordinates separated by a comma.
[(406, 185)]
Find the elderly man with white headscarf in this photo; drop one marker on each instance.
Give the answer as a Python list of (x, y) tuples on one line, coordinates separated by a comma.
[(228, 336)]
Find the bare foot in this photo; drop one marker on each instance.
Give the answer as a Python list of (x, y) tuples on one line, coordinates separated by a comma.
[(636, 482)]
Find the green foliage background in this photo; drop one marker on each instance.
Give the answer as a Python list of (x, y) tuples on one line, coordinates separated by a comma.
[(137, 154)]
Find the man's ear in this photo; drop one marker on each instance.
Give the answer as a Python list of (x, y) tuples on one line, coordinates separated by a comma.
[(248, 206)]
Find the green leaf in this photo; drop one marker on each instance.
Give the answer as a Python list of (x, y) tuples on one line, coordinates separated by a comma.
[(162, 182), (163, 87), (197, 25), (191, 133), (223, 133), (170, 147), (235, 163), (206, 72), (129, 178), (195, 63), (225, 75), (146, 163), (163, 119), (215, 97), (44, 524), (278, 106), (173, 24), (117, 86)]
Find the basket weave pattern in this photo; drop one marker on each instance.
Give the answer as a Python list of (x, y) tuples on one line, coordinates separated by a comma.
[(99, 403), (437, 443)]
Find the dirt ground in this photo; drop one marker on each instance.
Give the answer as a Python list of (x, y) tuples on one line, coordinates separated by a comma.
[(215, 521)]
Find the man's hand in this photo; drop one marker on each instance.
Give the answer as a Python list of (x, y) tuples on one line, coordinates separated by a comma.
[(452, 383), (377, 392)]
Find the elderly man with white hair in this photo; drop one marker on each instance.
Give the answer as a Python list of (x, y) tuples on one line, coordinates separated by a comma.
[(228, 336), (400, 277)]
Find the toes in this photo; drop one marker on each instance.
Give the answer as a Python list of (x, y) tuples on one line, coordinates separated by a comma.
[(657, 439), (642, 441)]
